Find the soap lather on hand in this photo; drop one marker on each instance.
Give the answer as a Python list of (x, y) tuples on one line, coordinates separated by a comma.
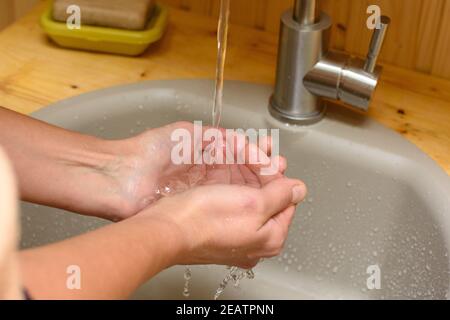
[(130, 14)]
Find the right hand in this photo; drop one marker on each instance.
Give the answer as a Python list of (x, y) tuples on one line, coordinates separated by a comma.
[(230, 224)]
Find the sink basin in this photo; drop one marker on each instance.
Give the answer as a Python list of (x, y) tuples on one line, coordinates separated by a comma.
[(374, 198)]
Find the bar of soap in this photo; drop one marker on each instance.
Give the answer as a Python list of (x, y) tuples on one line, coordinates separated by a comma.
[(128, 14)]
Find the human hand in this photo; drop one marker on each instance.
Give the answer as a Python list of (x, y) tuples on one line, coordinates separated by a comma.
[(229, 224), (143, 170)]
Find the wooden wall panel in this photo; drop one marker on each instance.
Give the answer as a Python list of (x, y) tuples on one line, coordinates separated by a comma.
[(21, 7), (400, 45), (429, 26), (419, 37), (10, 10), (6, 13), (441, 62)]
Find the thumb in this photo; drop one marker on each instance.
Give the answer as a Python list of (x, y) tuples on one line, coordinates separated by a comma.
[(280, 194)]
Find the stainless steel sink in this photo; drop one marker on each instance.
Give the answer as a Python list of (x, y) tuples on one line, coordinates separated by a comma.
[(374, 198)]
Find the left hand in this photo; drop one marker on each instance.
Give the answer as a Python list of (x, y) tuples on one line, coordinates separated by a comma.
[(142, 169)]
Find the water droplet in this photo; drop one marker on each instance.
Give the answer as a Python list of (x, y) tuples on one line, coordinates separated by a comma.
[(187, 282)]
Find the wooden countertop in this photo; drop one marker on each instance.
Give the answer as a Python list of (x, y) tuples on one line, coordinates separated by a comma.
[(34, 73)]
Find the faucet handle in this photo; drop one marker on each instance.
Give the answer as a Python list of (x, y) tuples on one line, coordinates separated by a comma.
[(376, 44)]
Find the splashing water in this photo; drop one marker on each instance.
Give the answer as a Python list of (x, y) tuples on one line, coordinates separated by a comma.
[(236, 275), (187, 282)]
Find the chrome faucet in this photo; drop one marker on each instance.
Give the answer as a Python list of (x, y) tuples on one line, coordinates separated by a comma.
[(308, 71)]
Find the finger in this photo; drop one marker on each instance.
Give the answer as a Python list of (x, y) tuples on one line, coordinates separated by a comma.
[(276, 232), (201, 138), (250, 178), (199, 132), (265, 144), (255, 158), (265, 168), (276, 170), (282, 163), (281, 194), (248, 263), (284, 219), (236, 144), (278, 224)]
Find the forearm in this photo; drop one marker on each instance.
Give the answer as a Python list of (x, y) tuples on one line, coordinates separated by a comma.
[(114, 261), (52, 164)]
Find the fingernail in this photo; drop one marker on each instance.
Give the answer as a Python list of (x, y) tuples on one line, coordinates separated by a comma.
[(298, 194)]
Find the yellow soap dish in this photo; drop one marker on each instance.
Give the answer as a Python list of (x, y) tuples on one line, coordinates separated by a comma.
[(110, 40)]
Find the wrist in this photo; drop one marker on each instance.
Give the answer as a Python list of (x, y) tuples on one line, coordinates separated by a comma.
[(127, 175), (174, 217), (163, 237), (111, 160), (89, 170)]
